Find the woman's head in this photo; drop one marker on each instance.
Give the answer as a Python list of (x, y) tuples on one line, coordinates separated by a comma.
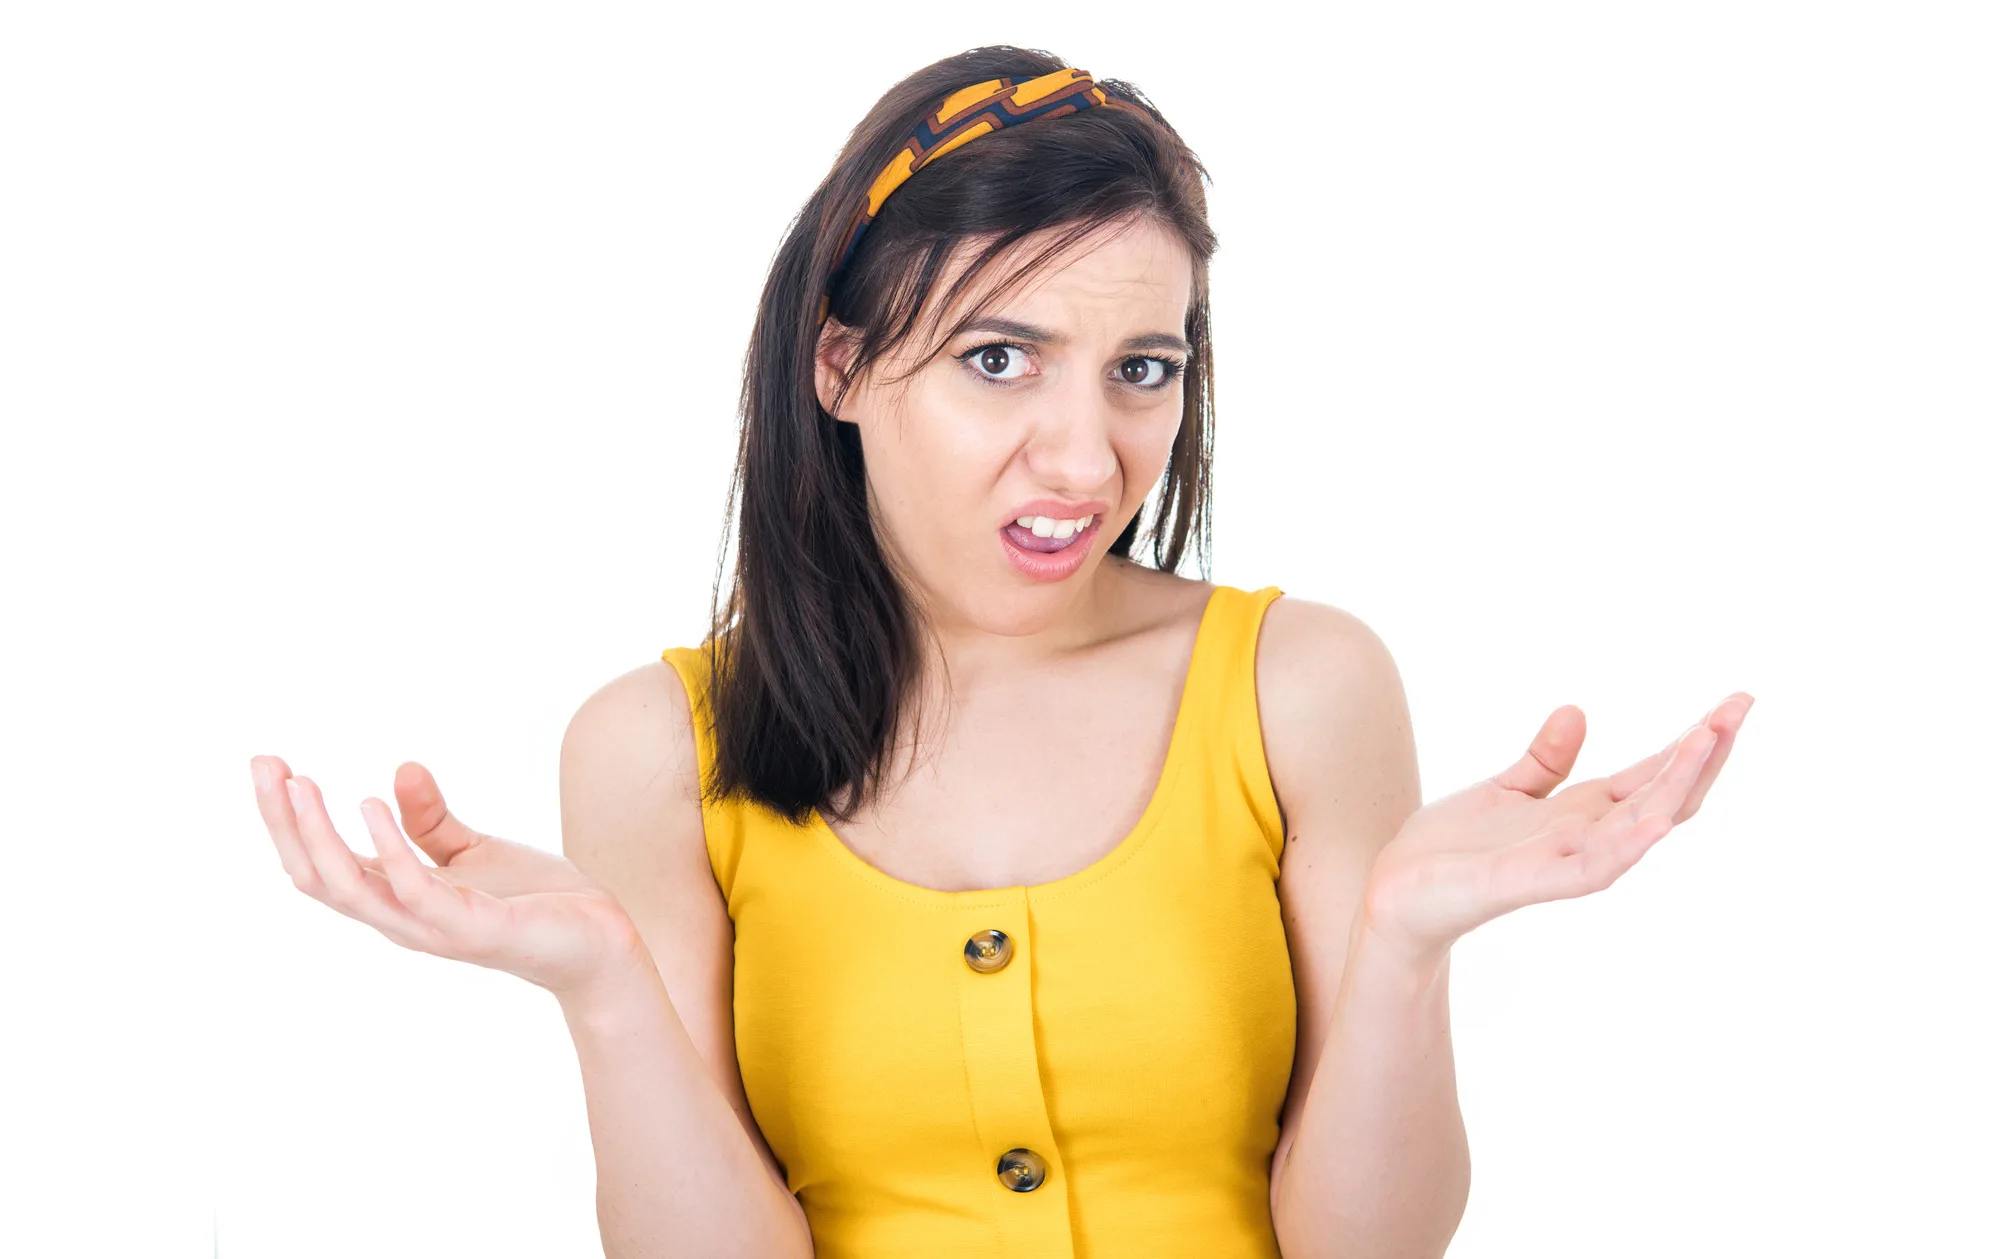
[(1061, 399), (1022, 331)]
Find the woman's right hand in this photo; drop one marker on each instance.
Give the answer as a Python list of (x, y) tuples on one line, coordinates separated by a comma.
[(487, 901)]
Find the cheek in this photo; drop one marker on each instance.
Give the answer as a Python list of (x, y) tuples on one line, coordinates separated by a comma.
[(1143, 447), (933, 468)]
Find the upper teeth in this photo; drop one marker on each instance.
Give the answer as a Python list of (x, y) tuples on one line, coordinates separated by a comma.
[(1043, 527)]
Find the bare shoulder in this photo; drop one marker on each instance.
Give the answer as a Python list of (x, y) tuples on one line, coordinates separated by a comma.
[(1306, 643), (630, 750), (1334, 714)]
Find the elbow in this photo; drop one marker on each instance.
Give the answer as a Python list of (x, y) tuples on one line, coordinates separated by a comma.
[(1413, 1229)]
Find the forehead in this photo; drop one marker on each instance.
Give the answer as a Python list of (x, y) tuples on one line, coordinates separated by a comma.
[(1135, 270)]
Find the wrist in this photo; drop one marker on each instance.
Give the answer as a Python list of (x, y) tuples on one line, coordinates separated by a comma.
[(625, 984), (1381, 947)]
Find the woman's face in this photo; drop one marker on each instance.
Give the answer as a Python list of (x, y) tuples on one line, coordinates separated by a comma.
[(1061, 403)]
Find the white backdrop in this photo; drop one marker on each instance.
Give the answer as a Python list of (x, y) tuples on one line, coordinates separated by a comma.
[(367, 374)]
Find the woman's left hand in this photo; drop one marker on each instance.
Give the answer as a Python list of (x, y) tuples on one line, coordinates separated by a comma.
[(1506, 842)]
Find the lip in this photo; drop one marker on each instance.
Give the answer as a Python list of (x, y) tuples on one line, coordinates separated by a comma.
[(1045, 566), (1056, 509)]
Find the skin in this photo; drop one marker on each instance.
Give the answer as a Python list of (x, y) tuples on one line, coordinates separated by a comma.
[(629, 932)]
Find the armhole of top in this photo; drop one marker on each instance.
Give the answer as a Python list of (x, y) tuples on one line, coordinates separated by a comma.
[(718, 836), (1247, 727)]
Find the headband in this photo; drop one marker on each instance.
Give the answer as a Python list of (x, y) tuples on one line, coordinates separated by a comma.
[(965, 115)]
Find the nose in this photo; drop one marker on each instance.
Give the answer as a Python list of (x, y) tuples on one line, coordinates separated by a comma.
[(1070, 450)]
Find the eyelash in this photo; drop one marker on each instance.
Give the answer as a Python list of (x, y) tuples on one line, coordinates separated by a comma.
[(1174, 366)]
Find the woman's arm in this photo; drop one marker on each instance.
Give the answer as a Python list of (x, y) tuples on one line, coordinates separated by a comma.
[(1371, 1157), (676, 1172), (1378, 1162), (681, 1168)]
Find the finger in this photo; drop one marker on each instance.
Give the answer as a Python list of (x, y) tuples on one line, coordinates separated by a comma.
[(341, 883), (426, 940), (1551, 755), (467, 923), (1604, 852), (1722, 719), (1639, 773), (440, 905), (431, 826), (1576, 862), (1726, 721), (1571, 863), (1668, 789), (275, 807)]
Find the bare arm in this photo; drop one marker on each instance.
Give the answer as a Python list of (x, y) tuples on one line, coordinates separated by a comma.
[(1371, 1157), (681, 1167), (1379, 1164)]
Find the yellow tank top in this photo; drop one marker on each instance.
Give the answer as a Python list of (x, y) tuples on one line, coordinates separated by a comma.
[(1091, 1068)]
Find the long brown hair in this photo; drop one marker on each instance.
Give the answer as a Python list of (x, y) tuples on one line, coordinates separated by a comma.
[(813, 650)]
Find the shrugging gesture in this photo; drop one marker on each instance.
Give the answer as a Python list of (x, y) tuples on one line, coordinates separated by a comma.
[(1507, 842), (489, 901)]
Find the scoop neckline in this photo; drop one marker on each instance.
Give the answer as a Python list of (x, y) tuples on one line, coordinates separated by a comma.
[(961, 898)]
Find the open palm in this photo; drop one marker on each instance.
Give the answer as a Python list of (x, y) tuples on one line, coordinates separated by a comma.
[(487, 900), (1506, 842)]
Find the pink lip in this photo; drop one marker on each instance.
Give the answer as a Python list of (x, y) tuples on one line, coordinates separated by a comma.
[(1050, 565), (1056, 509)]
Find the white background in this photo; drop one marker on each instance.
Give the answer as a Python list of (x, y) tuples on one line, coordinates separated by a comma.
[(367, 374)]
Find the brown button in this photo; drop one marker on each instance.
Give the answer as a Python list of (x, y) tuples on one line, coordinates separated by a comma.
[(1022, 1170), (987, 951)]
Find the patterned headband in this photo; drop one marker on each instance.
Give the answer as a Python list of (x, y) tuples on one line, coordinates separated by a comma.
[(966, 115)]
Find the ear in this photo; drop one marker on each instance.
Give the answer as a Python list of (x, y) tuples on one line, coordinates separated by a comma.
[(837, 343)]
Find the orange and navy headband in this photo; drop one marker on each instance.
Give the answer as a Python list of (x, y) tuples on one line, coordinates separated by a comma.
[(965, 115)]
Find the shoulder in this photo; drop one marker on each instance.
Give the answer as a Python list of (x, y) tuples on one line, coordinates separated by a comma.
[(1315, 660), (1305, 634), (1331, 703), (629, 770)]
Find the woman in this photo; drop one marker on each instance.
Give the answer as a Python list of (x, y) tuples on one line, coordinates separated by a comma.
[(1150, 958)]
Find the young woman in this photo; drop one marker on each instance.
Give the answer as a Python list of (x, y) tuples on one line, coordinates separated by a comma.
[(975, 889)]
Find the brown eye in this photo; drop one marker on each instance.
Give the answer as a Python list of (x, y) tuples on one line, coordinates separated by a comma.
[(1149, 373), (997, 362)]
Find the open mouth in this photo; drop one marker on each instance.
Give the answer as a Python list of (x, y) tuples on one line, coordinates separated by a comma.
[(1044, 536)]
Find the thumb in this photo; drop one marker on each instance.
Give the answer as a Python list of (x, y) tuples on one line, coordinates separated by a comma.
[(426, 820), (1550, 757)]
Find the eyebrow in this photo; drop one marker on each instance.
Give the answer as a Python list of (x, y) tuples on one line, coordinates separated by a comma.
[(1043, 336)]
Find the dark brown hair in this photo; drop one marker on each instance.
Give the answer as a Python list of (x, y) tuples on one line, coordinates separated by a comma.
[(813, 651)]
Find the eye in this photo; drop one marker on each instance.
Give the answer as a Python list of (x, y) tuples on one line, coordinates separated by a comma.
[(1149, 373), (999, 361)]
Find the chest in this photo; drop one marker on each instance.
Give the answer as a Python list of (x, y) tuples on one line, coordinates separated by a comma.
[(1027, 782), (1136, 1035)]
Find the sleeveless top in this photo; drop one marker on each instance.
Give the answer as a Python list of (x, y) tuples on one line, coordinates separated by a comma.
[(1091, 1068)]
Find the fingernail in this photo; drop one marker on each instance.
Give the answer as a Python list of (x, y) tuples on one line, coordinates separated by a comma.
[(298, 796), (260, 773)]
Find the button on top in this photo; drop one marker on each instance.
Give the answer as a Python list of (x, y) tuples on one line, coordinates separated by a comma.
[(988, 951), (1022, 1170)]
